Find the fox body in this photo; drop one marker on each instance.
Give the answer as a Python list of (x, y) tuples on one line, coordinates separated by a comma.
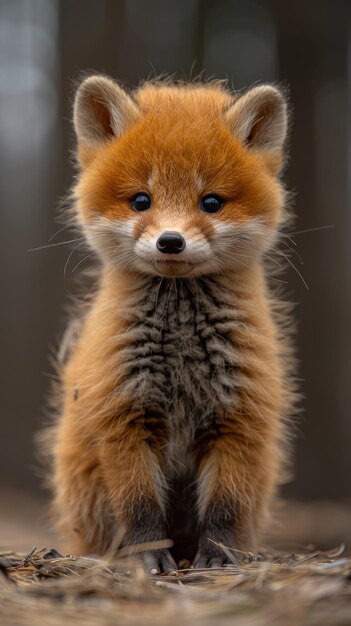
[(176, 389)]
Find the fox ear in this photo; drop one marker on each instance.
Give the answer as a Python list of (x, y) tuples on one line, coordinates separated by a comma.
[(102, 110), (259, 120)]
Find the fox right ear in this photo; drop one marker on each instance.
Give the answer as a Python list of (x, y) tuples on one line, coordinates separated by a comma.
[(102, 110), (259, 120)]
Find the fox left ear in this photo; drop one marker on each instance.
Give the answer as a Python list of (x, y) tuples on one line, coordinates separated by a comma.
[(259, 120), (102, 111)]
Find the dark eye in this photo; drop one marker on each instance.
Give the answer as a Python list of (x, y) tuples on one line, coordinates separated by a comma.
[(211, 203), (141, 202)]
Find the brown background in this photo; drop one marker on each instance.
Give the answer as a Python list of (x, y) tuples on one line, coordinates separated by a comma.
[(45, 46)]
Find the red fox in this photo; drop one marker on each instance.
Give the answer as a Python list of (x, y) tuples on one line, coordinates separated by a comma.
[(176, 391)]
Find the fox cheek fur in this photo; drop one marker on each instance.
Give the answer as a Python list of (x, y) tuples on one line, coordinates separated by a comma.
[(174, 398)]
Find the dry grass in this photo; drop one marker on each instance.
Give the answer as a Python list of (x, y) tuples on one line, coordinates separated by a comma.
[(277, 588)]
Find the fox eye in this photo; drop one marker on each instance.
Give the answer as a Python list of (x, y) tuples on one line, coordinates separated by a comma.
[(141, 202), (211, 203)]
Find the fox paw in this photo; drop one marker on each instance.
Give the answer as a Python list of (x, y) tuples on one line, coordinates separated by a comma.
[(211, 554), (204, 560), (159, 562)]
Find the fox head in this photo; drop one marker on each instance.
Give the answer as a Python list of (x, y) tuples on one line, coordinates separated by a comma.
[(179, 180)]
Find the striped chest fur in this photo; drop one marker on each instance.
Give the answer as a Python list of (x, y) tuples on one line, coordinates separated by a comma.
[(181, 359)]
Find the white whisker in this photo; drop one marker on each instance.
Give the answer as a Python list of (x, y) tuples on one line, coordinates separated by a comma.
[(59, 231), (70, 255), (53, 245), (312, 230), (296, 270), (81, 261)]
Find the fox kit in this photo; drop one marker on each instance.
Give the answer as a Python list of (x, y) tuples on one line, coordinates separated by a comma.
[(176, 389)]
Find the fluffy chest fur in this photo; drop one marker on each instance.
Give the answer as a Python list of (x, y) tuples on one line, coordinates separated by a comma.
[(181, 359)]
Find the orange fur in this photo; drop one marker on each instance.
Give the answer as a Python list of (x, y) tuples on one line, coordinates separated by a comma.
[(111, 447)]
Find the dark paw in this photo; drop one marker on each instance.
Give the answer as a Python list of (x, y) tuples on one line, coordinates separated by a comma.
[(212, 555), (159, 561), (207, 559)]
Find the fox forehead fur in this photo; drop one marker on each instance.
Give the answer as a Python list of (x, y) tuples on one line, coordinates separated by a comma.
[(179, 144), (178, 381)]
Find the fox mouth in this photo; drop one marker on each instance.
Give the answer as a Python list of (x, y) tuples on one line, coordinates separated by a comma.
[(173, 267), (174, 262)]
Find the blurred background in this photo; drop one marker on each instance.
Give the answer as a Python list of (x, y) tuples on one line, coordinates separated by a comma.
[(45, 48)]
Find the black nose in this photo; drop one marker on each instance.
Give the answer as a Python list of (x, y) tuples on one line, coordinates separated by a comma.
[(170, 242)]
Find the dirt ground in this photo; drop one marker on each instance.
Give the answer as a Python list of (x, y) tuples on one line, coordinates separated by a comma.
[(301, 576)]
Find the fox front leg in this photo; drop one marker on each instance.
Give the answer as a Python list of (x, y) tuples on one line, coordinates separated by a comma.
[(145, 524), (132, 463), (230, 491)]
